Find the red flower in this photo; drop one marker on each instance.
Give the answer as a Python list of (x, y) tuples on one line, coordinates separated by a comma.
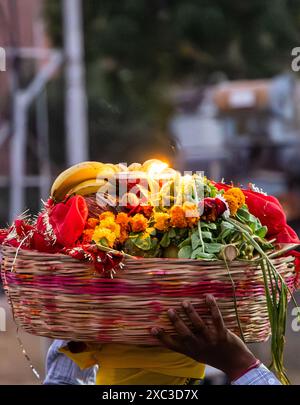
[(146, 210), (68, 220), (213, 208)]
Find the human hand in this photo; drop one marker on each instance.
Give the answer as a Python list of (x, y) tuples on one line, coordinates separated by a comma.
[(210, 343)]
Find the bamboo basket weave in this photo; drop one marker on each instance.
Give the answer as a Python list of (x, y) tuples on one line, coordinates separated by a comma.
[(59, 297)]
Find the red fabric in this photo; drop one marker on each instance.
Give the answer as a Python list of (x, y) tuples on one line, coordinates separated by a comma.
[(58, 229), (271, 214), (68, 220), (3, 235)]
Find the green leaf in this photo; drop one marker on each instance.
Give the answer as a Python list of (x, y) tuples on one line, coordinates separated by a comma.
[(142, 241), (225, 233), (199, 254), (252, 226), (172, 233), (104, 242), (262, 232), (165, 240), (206, 236), (195, 239), (208, 225), (213, 248), (185, 252), (196, 253), (181, 233), (227, 225), (154, 243), (186, 242), (243, 215)]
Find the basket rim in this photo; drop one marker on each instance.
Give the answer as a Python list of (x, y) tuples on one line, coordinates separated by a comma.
[(135, 259)]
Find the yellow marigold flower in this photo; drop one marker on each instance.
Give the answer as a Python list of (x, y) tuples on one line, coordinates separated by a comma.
[(150, 230), (106, 214), (178, 218), (235, 199), (122, 219), (105, 236), (162, 221), (109, 223), (191, 213), (138, 223)]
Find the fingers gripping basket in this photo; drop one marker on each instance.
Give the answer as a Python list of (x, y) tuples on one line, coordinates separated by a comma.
[(59, 297)]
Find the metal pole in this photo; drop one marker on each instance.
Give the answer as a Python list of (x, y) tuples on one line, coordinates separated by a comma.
[(76, 104), (43, 144), (22, 100), (18, 157)]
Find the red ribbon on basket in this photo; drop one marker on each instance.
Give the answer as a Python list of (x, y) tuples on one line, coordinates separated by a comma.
[(103, 262)]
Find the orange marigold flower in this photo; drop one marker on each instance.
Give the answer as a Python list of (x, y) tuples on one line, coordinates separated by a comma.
[(147, 210), (178, 218), (232, 203), (123, 236), (123, 220), (88, 235), (191, 213), (237, 193), (162, 221), (138, 223), (235, 199), (92, 223)]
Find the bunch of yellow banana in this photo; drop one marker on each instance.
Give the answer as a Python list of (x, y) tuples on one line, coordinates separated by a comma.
[(83, 179), (88, 177)]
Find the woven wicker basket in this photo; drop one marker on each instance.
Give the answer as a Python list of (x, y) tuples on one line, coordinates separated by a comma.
[(59, 297)]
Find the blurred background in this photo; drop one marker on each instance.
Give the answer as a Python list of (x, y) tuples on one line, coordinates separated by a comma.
[(205, 85)]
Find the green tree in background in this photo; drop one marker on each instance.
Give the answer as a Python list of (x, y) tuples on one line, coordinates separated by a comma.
[(137, 49)]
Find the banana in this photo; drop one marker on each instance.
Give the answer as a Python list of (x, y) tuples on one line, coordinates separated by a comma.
[(88, 187), (73, 176), (84, 178)]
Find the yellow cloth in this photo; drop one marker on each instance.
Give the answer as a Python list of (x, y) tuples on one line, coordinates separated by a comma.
[(137, 365)]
